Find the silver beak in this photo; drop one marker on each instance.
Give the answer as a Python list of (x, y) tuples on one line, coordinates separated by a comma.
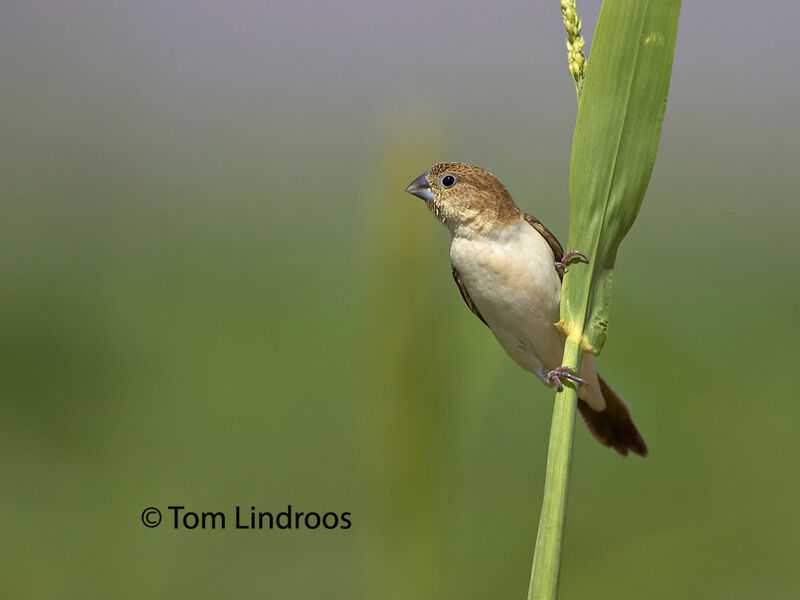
[(420, 188)]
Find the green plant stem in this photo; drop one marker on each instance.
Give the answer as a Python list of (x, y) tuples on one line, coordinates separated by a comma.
[(550, 539)]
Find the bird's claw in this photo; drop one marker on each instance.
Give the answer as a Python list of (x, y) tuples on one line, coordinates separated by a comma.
[(561, 265), (554, 377)]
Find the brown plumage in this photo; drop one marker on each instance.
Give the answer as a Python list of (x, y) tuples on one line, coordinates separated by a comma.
[(480, 200), (504, 265), (613, 427)]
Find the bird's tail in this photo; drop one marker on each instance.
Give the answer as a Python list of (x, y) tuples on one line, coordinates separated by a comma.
[(613, 426)]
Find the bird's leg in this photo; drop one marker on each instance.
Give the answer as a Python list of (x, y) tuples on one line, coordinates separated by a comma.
[(561, 265), (554, 377)]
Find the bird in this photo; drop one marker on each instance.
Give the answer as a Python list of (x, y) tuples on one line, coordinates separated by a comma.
[(508, 267)]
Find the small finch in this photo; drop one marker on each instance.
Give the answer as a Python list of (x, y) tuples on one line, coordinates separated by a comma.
[(508, 268)]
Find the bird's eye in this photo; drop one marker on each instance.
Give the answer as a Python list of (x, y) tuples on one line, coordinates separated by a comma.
[(448, 180)]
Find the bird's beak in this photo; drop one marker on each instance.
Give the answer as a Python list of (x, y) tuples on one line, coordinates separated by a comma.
[(420, 188)]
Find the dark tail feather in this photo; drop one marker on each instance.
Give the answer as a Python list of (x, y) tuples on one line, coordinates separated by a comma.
[(613, 426)]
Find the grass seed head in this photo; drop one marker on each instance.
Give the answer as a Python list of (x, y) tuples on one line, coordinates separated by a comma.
[(576, 59)]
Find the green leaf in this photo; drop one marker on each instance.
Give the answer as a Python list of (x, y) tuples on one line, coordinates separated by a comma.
[(613, 150)]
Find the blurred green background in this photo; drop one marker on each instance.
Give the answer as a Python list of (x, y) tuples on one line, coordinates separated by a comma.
[(216, 293)]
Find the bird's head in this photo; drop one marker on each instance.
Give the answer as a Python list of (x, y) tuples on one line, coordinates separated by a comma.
[(465, 196)]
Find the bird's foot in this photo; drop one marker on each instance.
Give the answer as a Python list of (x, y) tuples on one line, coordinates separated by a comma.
[(561, 265), (554, 377)]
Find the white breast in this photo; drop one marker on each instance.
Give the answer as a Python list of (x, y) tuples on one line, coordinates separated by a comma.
[(511, 278)]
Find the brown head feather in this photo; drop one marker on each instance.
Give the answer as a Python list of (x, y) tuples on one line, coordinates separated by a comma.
[(477, 199)]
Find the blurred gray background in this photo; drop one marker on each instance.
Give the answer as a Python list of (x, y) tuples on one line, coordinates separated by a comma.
[(216, 293)]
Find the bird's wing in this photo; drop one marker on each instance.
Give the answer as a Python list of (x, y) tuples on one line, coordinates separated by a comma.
[(552, 240), (548, 236), (465, 296)]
